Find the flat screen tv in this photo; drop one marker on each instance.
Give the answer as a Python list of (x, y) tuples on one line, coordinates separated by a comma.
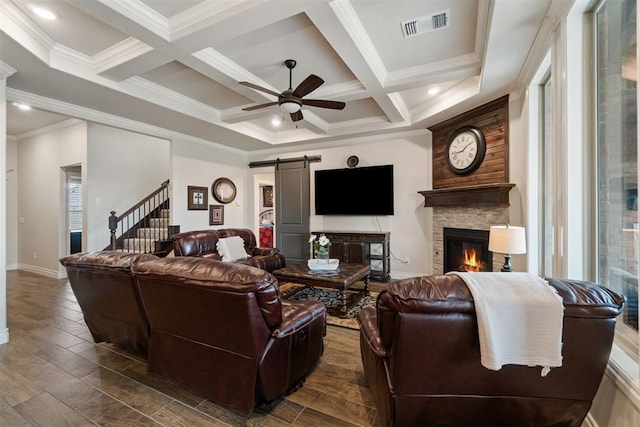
[(354, 191)]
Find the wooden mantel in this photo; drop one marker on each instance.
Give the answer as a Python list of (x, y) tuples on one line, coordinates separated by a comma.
[(488, 195)]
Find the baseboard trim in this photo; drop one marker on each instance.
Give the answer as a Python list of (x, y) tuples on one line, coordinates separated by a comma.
[(4, 336), (54, 274), (12, 267)]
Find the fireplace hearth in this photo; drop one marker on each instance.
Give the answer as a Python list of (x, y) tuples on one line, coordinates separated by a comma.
[(466, 250)]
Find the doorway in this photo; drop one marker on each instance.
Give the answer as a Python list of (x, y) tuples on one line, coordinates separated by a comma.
[(291, 205), (74, 208), (265, 213)]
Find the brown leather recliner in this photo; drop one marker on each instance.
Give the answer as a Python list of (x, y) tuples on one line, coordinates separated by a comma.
[(108, 296), (202, 243), (220, 330), (421, 356)]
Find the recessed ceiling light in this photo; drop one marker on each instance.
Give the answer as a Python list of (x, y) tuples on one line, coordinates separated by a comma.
[(276, 121), (44, 13), (23, 107), (434, 90)]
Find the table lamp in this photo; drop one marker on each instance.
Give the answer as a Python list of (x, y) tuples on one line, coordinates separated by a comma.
[(507, 240)]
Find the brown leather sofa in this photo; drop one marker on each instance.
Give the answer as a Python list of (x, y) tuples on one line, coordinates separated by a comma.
[(202, 243), (421, 357), (221, 330), (108, 296)]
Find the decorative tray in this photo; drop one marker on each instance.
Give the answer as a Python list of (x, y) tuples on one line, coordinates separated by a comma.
[(331, 265)]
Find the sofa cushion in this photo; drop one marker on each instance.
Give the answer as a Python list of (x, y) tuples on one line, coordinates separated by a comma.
[(231, 248)]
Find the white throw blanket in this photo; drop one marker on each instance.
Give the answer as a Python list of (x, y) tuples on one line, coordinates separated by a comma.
[(519, 319)]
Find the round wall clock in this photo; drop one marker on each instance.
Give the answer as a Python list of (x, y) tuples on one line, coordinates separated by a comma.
[(465, 150), (223, 190)]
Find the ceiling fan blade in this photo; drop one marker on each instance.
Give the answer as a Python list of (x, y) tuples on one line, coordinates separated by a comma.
[(308, 85), (296, 116), (260, 88), (322, 103), (256, 107)]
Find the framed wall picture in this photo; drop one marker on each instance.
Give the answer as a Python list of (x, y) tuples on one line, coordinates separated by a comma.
[(216, 214), (197, 198), (267, 196)]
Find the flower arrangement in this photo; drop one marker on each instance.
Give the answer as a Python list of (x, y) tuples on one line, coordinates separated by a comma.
[(320, 245)]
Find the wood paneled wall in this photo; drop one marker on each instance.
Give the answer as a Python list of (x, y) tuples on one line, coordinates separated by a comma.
[(493, 119)]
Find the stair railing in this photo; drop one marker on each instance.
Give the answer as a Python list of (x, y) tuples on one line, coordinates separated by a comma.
[(126, 225)]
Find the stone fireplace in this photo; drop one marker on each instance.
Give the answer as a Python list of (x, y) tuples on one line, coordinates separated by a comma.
[(466, 218), (480, 198), (466, 250)]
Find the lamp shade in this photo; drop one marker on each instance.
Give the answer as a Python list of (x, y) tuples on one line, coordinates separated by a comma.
[(290, 107), (507, 239)]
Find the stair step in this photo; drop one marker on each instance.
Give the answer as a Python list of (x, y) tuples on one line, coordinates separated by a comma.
[(139, 245), (159, 222), (153, 233), (147, 238)]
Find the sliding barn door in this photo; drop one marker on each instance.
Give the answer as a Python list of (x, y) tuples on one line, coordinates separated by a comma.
[(292, 210)]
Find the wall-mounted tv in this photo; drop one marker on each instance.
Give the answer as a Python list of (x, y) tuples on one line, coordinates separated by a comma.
[(354, 191)]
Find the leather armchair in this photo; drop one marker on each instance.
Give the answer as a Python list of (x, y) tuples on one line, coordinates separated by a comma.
[(421, 357), (108, 296), (202, 243), (220, 330)]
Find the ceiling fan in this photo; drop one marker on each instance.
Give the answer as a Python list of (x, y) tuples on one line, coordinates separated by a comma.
[(290, 100)]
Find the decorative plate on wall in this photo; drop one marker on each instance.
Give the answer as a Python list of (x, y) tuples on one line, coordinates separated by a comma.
[(223, 190)]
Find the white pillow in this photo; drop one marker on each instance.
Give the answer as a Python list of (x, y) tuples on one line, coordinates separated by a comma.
[(231, 248)]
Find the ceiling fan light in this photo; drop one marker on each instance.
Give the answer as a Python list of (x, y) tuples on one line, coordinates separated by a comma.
[(290, 107)]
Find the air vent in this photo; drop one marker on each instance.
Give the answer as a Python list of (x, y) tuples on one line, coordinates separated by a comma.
[(425, 24)]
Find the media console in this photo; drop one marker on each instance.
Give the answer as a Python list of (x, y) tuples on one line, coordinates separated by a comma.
[(371, 249)]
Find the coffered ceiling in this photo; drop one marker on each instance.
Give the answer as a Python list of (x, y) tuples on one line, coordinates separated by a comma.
[(175, 65)]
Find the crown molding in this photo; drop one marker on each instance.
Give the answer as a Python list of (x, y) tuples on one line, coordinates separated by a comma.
[(24, 31), (339, 142), (204, 15), (141, 14), (557, 11), (354, 28), (469, 62), (90, 115), (485, 11), (168, 98), (6, 70), (120, 53), (216, 60), (50, 128)]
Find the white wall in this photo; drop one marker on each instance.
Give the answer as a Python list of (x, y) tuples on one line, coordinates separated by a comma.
[(122, 168), (4, 331), (410, 227), (12, 203), (199, 165), (40, 184), (518, 152)]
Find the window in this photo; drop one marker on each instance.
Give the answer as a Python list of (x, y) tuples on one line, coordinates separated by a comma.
[(74, 197), (547, 185), (617, 161)]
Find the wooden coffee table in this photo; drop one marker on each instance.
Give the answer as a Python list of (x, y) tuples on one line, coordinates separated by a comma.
[(341, 279)]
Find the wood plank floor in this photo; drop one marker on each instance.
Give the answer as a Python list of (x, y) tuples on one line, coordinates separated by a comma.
[(53, 374)]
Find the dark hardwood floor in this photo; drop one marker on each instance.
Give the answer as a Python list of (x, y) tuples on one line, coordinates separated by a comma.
[(53, 374)]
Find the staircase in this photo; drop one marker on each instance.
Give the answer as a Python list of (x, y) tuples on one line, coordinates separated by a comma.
[(151, 238), (144, 228)]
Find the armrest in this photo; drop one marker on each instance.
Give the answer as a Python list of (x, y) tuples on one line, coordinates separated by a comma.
[(368, 321), (264, 251), (298, 314)]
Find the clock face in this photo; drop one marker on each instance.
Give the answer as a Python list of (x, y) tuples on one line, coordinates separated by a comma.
[(223, 190), (466, 150)]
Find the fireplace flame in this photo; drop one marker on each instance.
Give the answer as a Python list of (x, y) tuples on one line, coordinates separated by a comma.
[(472, 261)]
